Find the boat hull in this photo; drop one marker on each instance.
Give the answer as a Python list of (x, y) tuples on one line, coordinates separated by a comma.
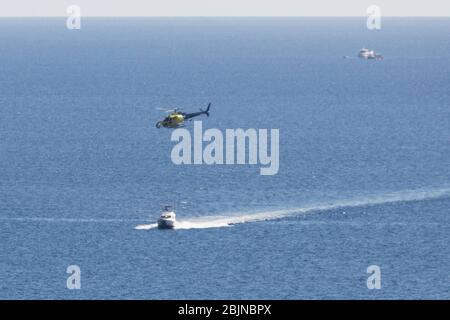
[(166, 224)]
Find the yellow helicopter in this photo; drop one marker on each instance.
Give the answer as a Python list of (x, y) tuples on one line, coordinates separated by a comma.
[(176, 118)]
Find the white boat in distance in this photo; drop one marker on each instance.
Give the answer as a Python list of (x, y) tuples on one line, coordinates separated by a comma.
[(167, 219), (369, 54)]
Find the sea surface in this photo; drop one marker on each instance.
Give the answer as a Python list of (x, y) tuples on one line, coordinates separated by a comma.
[(364, 175)]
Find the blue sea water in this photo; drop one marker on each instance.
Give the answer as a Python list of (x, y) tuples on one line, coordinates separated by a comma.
[(364, 174)]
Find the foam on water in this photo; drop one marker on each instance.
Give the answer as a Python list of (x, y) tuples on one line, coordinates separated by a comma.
[(218, 221), (146, 226)]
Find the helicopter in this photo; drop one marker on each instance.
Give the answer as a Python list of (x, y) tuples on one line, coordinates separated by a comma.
[(176, 118)]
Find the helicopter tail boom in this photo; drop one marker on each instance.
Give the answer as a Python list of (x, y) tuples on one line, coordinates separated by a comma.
[(191, 115)]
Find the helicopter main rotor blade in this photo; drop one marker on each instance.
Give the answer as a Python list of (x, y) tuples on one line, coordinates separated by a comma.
[(166, 110)]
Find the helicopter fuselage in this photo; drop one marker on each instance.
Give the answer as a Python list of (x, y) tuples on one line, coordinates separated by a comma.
[(173, 120)]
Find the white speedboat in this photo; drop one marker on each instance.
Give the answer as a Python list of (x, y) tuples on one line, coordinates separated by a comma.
[(369, 54), (167, 218)]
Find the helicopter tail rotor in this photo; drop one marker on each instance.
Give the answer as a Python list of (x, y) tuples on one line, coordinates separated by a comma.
[(207, 109)]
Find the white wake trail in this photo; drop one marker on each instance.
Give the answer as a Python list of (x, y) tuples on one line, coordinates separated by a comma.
[(218, 221)]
